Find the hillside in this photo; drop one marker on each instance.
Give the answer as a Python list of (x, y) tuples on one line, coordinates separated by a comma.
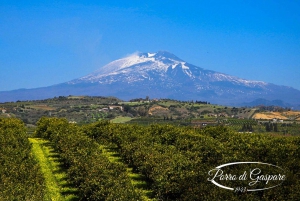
[(145, 111), (87, 109)]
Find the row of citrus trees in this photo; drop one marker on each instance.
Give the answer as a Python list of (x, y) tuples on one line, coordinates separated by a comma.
[(176, 160), (20, 174), (169, 157), (95, 177)]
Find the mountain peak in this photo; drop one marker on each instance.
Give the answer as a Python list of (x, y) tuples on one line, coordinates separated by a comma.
[(159, 61), (160, 55), (165, 54), (162, 74)]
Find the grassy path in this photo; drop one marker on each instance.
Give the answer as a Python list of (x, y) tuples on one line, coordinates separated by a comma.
[(55, 176), (137, 180), (57, 186)]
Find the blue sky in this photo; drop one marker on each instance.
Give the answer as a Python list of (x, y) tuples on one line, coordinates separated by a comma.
[(49, 42)]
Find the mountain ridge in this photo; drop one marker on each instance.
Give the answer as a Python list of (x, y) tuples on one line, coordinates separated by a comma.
[(160, 62), (163, 75)]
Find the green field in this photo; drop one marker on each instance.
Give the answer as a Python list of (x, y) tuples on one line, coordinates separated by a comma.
[(121, 119)]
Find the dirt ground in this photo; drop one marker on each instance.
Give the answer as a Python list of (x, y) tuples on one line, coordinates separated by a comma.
[(156, 109), (269, 115)]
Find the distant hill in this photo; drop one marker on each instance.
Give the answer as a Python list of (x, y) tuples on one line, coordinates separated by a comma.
[(265, 102)]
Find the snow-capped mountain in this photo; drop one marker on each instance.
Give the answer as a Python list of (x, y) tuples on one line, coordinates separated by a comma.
[(164, 65), (163, 75)]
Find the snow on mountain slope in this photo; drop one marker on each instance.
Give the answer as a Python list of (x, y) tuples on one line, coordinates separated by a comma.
[(162, 75), (141, 66)]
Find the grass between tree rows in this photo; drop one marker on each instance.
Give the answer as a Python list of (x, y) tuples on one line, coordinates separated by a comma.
[(58, 188), (57, 185), (137, 180)]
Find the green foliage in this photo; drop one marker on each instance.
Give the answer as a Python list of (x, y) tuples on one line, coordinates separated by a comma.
[(88, 169), (176, 160), (58, 187), (20, 175)]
